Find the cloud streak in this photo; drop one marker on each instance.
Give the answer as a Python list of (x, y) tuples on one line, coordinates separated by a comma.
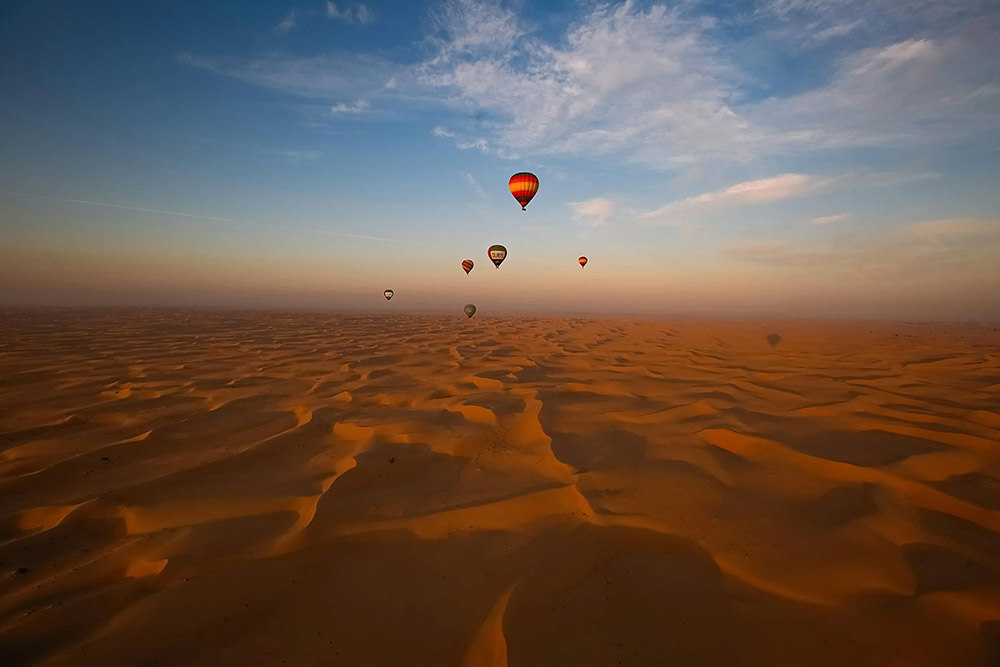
[(359, 106), (286, 24), (597, 210), (474, 184), (828, 219), (360, 14), (766, 190)]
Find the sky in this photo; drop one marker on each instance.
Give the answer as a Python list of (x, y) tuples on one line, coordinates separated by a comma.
[(810, 158)]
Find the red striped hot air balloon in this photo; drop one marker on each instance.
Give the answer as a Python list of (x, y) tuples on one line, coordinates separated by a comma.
[(523, 186), (583, 262), (467, 265)]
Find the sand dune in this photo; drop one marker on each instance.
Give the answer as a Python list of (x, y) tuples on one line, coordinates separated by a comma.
[(206, 488)]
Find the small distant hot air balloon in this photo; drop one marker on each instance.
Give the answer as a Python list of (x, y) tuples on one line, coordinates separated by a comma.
[(583, 262), (470, 310), (388, 294), (523, 185), (467, 265), (497, 254)]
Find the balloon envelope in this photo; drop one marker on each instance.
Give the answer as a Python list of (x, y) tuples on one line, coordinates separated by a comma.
[(583, 261), (467, 265), (470, 309), (388, 294), (523, 185), (497, 254)]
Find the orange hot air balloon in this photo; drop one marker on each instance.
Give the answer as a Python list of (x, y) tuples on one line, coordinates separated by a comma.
[(467, 265), (583, 262), (523, 186)]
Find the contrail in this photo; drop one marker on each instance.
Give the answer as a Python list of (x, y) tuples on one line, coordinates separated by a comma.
[(251, 223)]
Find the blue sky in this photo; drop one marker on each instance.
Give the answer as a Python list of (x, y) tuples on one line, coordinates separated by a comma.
[(771, 157)]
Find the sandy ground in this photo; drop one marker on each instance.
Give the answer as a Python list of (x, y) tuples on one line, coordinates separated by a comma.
[(243, 488)]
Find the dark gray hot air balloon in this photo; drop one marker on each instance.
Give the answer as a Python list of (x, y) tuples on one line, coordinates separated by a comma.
[(470, 309), (388, 294)]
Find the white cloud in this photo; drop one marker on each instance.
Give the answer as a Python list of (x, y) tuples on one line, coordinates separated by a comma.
[(598, 210), (360, 13), (837, 30), (623, 79), (336, 76), (478, 143), (907, 93), (661, 86), (814, 21), (828, 219), (472, 26), (474, 184), (776, 188), (358, 107), (658, 86), (286, 23), (443, 132)]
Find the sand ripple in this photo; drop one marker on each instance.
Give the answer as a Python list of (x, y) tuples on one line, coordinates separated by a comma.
[(249, 488)]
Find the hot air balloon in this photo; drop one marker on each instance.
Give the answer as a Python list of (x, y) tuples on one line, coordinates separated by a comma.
[(497, 254), (523, 186), (470, 310), (467, 265), (583, 262), (388, 294)]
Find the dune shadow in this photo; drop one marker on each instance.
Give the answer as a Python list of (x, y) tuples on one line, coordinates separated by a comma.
[(617, 595)]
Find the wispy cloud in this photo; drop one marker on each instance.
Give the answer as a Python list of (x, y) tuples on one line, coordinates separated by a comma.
[(912, 92), (359, 106), (464, 27), (335, 76), (286, 24), (360, 13), (664, 86), (478, 143), (828, 219), (474, 184), (622, 79), (776, 188), (597, 210), (812, 21)]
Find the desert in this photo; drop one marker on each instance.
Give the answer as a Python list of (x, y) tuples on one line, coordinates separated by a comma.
[(238, 487)]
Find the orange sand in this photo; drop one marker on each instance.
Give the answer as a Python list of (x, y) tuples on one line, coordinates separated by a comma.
[(205, 488)]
